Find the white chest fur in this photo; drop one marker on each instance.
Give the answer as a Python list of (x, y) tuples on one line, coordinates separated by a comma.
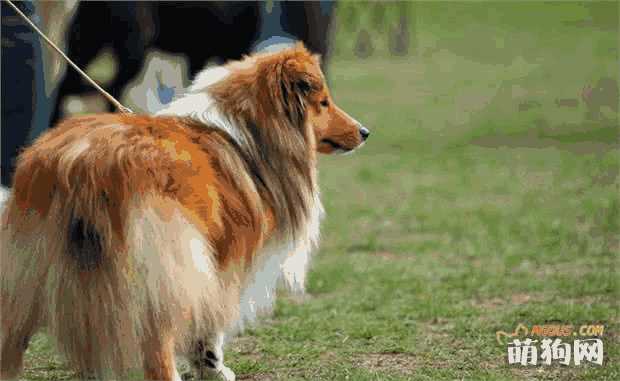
[(279, 261)]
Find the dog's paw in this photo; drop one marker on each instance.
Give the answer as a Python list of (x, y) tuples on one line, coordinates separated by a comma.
[(226, 374), (223, 373)]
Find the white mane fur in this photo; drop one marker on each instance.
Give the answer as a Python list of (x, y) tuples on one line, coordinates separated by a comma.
[(199, 105)]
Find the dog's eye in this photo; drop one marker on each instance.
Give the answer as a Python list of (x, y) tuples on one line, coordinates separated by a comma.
[(325, 102)]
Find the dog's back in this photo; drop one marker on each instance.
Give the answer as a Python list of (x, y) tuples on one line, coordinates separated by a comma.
[(90, 243)]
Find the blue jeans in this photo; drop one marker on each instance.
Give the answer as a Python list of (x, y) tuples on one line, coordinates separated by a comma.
[(282, 23), (25, 105)]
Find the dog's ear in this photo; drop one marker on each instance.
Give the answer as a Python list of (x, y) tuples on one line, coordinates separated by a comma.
[(299, 77)]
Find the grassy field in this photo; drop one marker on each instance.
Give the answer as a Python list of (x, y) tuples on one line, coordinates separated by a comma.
[(487, 196)]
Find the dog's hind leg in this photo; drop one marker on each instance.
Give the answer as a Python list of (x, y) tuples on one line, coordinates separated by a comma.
[(208, 359), (21, 312), (13, 344), (159, 360)]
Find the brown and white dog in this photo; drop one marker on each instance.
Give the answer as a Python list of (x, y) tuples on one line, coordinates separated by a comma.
[(133, 238)]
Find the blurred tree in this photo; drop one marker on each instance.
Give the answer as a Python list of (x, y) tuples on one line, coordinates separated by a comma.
[(370, 27), (363, 45), (399, 34)]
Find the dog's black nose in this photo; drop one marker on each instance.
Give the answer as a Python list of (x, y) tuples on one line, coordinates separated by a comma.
[(365, 132)]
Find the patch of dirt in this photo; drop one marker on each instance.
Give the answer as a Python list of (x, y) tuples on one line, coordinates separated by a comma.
[(245, 345), (547, 373), (256, 377), (400, 363), (513, 300), (386, 255), (283, 375), (438, 327)]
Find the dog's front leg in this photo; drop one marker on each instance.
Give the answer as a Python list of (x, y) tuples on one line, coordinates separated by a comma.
[(208, 359)]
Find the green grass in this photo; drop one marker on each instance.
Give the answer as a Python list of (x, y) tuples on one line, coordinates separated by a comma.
[(462, 215)]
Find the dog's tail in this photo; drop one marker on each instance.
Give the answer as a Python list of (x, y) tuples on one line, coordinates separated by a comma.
[(106, 275), (84, 244), (103, 302)]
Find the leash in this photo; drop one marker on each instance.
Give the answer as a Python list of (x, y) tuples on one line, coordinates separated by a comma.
[(107, 95)]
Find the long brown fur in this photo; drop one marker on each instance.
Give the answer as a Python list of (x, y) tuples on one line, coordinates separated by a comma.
[(130, 235)]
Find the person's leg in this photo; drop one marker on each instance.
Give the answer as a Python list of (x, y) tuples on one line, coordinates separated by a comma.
[(25, 105), (129, 43), (309, 21), (272, 35), (283, 23), (84, 42)]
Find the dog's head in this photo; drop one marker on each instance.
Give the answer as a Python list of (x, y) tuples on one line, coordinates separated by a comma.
[(306, 100), (285, 86)]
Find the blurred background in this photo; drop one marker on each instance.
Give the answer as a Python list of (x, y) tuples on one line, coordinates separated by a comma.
[(487, 195)]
